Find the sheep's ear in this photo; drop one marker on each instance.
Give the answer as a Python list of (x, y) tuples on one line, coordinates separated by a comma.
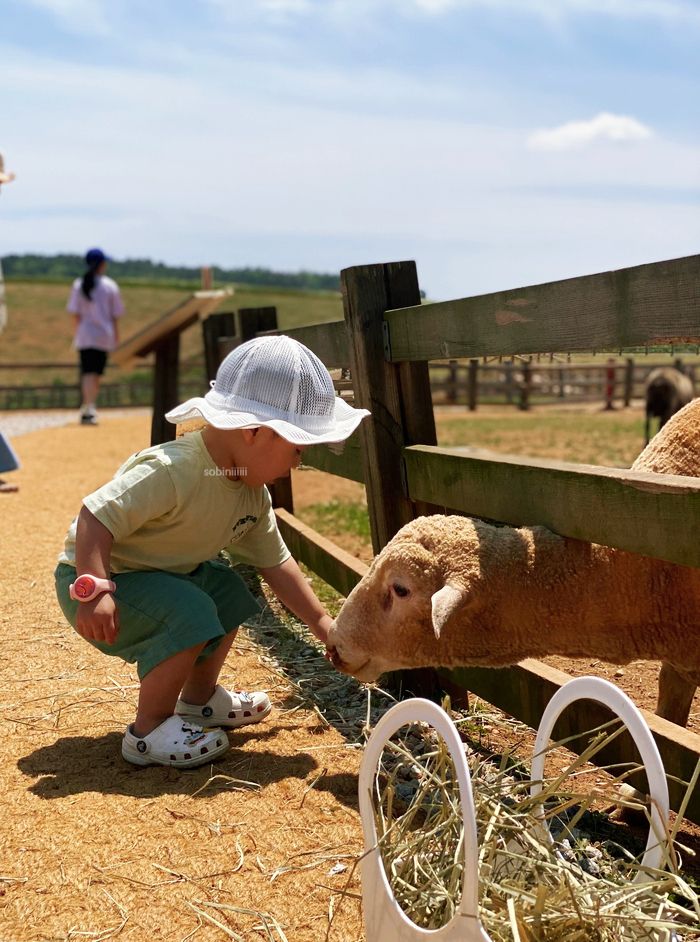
[(445, 603)]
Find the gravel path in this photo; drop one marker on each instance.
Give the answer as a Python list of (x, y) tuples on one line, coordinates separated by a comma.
[(19, 422)]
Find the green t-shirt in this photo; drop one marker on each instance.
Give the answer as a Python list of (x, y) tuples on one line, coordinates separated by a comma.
[(170, 507)]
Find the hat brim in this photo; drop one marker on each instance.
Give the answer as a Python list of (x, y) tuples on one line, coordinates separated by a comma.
[(342, 424), (6, 177)]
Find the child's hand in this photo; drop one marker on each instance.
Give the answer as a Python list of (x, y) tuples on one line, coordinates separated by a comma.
[(99, 620)]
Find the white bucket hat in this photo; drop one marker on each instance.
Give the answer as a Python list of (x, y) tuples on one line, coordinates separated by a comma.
[(279, 383)]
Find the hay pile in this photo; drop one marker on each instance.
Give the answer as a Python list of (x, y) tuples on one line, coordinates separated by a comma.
[(576, 888)]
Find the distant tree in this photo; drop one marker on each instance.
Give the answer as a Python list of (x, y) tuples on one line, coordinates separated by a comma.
[(65, 267)]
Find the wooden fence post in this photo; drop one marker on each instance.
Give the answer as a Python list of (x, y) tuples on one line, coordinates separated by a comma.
[(525, 387), (165, 388), (629, 380), (472, 384), (214, 327), (397, 395), (610, 385), (399, 398), (561, 375), (451, 388), (509, 381)]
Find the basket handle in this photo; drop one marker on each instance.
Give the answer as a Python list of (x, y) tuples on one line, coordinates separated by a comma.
[(602, 691), (376, 889)]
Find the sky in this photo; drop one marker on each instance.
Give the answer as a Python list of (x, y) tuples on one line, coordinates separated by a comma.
[(498, 143)]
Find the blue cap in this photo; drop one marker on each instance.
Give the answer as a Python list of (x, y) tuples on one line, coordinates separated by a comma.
[(95, 257)]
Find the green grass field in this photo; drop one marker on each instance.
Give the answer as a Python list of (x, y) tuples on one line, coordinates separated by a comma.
[(39, 329)]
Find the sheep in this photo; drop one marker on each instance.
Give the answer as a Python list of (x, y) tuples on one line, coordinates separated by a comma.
[(667, 389), (450, 590)]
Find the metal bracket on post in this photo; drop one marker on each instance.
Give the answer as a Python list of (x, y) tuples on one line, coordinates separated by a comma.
[(386, 334)]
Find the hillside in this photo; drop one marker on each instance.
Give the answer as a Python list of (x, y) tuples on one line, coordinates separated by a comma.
[(66, 267), (40, 330)]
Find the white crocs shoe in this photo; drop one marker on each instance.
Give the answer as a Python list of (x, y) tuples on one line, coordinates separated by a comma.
[(175, 742), (227, 708)]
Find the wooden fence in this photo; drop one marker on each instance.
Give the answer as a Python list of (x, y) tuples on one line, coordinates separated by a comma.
[(520, 382), (388, 339), (525, 381), (67, 395)]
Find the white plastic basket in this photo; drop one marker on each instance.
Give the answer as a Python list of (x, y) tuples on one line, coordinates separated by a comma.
[(385, 921)]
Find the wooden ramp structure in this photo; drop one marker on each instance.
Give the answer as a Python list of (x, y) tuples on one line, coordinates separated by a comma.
[(162, 337)]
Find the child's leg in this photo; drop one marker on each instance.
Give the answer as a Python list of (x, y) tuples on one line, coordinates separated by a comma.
[(204, 675), (161, 687)]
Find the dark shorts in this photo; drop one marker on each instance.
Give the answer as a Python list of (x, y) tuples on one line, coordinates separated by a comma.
[(92, 360), (163, 613)]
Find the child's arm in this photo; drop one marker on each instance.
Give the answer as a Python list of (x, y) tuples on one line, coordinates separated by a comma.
[(291, 588), (97, 620)]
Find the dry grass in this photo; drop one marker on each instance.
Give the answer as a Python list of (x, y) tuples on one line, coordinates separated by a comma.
[(578, 888)]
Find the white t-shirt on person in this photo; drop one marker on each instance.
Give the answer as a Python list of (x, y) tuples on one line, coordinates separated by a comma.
[(97, 315)]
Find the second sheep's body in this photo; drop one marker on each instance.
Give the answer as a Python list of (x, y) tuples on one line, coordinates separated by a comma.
[(450, 591)]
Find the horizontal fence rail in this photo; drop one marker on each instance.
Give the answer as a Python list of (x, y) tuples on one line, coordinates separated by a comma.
[(329, 341), (525, 690), (347, 464), (648, 304), (652, 514), (67, 396)]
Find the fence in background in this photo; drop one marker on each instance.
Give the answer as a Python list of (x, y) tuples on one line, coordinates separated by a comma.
[(524, 382), (521, 382)]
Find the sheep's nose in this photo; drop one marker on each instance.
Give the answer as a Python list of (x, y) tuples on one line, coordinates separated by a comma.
[(335, 659)]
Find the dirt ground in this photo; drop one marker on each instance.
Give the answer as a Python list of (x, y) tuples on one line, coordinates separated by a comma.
[(94, 849)]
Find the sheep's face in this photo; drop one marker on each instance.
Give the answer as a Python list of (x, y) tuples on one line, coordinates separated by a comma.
[(387, 622)]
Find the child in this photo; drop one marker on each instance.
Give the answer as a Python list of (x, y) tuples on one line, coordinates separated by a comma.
[(137, 577)]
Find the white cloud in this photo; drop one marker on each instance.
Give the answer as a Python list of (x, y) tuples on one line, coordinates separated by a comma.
[(577, 134), (286, 6), (683, 11), (78, 16), (552, 11)]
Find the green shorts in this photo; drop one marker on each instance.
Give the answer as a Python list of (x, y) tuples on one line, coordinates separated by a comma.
[(163, 613)]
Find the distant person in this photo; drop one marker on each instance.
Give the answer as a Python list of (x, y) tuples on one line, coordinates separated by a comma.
[(96, 303), (8, 459), (5, 177), (8, 462)]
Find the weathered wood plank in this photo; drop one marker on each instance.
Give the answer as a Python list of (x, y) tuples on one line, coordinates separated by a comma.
[(338, 568), (214, 328), (368, 291), (366, 295), (656, 303), (525, 690), (196, 307), (165, 388), (328, 341), (348, 464), (653, 514)]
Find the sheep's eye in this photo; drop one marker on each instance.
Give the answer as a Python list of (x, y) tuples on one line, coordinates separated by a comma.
[(401, 591)]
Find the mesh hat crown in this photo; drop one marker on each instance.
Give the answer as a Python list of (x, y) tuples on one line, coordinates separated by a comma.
[(277, 382)]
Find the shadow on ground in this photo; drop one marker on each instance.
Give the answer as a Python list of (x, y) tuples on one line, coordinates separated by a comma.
[(77, 764)]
